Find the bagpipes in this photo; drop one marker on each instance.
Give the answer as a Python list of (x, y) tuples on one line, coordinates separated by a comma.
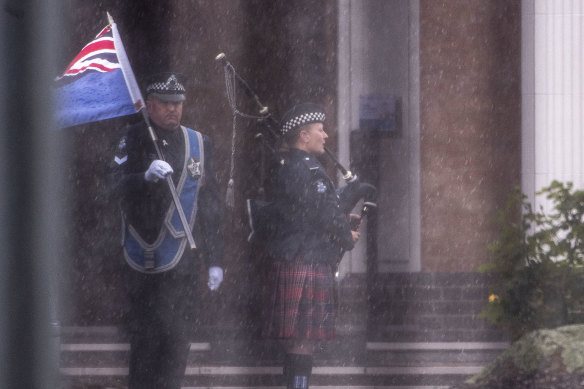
[(258, 209)]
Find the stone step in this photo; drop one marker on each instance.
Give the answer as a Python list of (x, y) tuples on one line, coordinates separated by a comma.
[(404, 308), (412, 333), (89, 362), (107, 348), (116, 354), (390, 357), (404, 353), (212, 376), (436, 333), (283, 387)]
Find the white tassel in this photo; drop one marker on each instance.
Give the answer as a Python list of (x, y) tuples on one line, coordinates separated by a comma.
[(230, 195)]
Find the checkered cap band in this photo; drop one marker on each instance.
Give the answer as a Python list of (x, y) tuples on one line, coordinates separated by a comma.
[(305, 118), (170, 85)]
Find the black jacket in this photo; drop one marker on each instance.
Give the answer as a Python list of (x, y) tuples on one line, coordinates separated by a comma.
[(144, 203), (305, 214)]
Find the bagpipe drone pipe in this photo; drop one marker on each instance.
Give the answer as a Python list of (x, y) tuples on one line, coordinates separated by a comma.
[(259, 210)]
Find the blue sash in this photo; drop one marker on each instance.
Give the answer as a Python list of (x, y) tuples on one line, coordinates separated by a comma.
[(167, 250)]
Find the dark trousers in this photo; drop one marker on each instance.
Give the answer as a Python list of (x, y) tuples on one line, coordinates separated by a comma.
[(158, 328)]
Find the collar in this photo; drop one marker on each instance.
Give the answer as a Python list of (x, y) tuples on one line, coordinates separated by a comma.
[(167, 134), (297, 153)]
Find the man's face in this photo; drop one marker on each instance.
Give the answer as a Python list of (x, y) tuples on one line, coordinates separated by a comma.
[(164, 114), (315, 137)]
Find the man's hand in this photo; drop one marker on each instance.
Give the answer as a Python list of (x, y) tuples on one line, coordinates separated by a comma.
[(355, 235), (158, 170), (215, 277), (354, 221)]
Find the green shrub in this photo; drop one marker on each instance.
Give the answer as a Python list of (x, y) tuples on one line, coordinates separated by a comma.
[(537, 262)]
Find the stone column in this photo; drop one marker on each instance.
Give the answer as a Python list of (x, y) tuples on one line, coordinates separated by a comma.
[(470, 126)]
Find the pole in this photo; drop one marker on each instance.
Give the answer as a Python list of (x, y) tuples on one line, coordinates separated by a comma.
[(171, 187), (136, 96)]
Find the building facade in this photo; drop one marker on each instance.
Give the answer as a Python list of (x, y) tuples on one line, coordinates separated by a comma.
[(447, 73)]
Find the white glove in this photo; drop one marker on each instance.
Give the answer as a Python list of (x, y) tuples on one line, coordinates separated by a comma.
[(215, 277), (158, 170)]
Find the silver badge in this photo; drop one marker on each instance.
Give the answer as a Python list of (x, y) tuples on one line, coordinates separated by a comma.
[(320, 186), (194, 168)]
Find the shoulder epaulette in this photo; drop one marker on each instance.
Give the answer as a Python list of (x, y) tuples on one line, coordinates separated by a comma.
[(311, 163), (121, 154)]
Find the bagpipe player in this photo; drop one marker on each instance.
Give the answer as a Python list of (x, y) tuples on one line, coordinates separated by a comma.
[(308, 232)]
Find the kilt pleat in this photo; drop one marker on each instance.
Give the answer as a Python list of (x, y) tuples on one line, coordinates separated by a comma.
[(300, 301)]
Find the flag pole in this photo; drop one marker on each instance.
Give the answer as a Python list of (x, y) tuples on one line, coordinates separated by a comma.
[(175, 198), (136, 96)]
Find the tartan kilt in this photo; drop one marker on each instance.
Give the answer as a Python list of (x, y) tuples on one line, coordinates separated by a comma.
[(299, 301)]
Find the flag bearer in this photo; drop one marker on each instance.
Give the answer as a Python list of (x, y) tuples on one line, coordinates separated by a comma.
[(162, 268)]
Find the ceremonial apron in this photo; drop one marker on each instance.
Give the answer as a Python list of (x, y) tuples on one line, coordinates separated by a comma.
[(167, 250)]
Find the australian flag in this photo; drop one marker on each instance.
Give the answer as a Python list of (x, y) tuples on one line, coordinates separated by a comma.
[(98, 84)]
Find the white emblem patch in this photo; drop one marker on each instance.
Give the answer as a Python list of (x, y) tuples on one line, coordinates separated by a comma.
[(320, 186)]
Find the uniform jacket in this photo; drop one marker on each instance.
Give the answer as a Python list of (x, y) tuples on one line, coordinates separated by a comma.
[(306, 218), (144, 204)]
